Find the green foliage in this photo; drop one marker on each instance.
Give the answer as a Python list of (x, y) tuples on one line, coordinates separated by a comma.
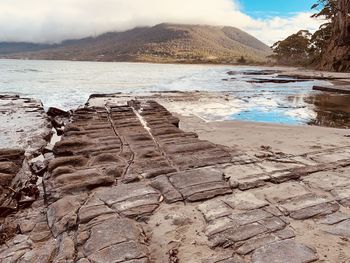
[(327, 9), (320, 38), (296, 49), (242, 60), (304, 48)]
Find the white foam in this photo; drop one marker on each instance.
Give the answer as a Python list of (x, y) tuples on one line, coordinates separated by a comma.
[(301, 113)]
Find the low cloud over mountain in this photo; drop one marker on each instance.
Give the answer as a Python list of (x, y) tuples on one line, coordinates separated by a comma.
[(56, 20)]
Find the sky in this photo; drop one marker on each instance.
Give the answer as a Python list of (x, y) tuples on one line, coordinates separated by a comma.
[(270, 8), (52, 21)]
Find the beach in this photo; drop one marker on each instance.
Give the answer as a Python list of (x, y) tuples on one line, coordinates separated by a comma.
[(166, 177), (169, 131)]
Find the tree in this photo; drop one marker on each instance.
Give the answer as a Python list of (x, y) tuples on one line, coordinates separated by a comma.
[(328, 9), (294, 50), (333, 37), (320, 38), (323, 35), (242, 60), (343, 22), (328, 48)]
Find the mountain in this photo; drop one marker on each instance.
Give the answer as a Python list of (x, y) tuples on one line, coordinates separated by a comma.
[(15, 47), (161, 43)]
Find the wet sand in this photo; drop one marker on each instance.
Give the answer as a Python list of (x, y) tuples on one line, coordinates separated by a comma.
[(250, 136)]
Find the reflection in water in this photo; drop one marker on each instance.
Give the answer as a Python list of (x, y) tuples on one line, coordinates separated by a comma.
[(68, 84), (297, 100), (271, 116), (332, 110)]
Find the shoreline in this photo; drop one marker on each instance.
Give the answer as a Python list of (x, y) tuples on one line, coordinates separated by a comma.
[(264, 66), (165, 186), (290, 139), (151, 165), (217, 106)]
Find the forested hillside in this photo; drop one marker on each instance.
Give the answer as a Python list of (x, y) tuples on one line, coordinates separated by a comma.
[(328, 48), (161, 43)]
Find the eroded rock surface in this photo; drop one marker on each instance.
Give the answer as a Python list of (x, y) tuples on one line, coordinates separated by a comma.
[(125, 184), (193, 185), (114, 240), (24, 131), (24, 124), (284, 250)]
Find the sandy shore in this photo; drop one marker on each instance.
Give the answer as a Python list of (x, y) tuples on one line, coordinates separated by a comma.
[(250, 136)]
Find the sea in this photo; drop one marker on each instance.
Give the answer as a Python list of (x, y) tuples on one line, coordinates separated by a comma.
[(68, 85)]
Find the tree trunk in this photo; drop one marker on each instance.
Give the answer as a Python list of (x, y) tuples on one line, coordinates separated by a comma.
[(344, 21), (337, 55)]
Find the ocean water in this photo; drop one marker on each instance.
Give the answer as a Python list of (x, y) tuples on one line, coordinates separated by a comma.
[(67, 85)]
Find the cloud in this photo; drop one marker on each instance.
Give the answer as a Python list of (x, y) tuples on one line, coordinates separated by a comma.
[(277, 28), (56, 20)]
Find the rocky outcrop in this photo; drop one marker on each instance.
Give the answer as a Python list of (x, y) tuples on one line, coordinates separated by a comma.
[(24, 124), (24, 132), (343, 89), (100, 174), (125, 184), (194, 185), (336, 56)]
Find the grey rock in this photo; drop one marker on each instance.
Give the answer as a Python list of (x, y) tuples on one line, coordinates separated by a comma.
[(250, 216), (40, 232), (245, 200), (41, 254), (162, 184), (131, 200), (254, 243), (334, 218), (231, 235), (71, 161), (317, 210), (26, 124), (225, 258), (92, 209), (340, 229), (66, 250), (39, 168), (273, 223), (284, 251), (308, 205), (129, 251), (62, 215), (10, 251), (342, 195), (200, 184), (115, 240), (81, 180), (53, 112), (285, 233)]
